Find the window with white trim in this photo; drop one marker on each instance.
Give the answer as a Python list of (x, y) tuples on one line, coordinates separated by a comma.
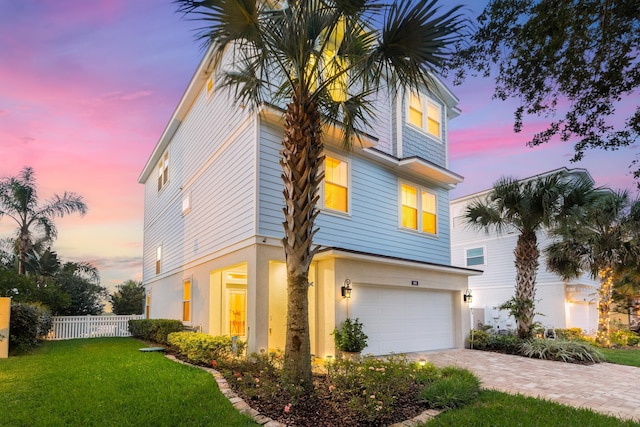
[(418, 209), (425, 114), (186, 204), (158, 259), (335, 194), (163, 171), (147, 310), (186, 300), (209, 87), (474, 256)]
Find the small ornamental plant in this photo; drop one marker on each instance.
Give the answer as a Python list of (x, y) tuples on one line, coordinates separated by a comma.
[(349, 337)]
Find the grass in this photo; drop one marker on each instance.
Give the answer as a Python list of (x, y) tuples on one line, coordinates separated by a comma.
[(497, 409), (621, 356), (108, 382)]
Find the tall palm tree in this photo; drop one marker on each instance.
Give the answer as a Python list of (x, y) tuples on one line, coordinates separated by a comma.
[(602, 243), (529, 207), (19, 201), (324, 60)]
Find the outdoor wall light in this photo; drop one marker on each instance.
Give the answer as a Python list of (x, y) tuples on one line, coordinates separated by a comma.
[(468, 298), (346, 289)]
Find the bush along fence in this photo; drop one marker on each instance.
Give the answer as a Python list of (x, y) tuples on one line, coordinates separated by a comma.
[(71, 327)]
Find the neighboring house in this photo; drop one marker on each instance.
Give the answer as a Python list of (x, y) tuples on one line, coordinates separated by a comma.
[(560, 304), (213, 226)]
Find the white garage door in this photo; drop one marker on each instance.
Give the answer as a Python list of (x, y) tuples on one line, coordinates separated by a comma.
[(404, 320)]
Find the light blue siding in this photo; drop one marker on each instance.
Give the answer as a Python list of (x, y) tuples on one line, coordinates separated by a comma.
[(373, 225), (415, 142)]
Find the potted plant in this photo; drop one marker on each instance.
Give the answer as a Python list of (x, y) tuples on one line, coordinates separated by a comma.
[(349, 337)]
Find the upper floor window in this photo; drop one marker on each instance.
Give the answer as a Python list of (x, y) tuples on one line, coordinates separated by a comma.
[(186, 204), (418, 209), (425, 114), (474, 256), (209, 86), (158, 259), (336, 185), (163, 171)]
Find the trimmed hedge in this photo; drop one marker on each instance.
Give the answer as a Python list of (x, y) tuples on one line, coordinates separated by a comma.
[(203, 348), (154, 330)]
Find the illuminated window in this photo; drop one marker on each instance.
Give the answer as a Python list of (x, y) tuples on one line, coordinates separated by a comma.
[(209, 86), (186, 301), (237, 304), (163, 171), (415, 110), (158, 259), (409, 207), (418, 209), (336, 184), (428, 212), (429, 122), (475, 256)]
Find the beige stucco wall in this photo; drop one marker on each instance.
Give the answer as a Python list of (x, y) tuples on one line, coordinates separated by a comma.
[(5, 312)]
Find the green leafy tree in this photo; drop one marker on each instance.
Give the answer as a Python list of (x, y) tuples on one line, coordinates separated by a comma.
[(528, 207), (325, 61), (575, 62), (128, 298), (601, 243), (19, 201)]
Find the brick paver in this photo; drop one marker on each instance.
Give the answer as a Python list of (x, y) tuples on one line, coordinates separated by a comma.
[(604, 387)]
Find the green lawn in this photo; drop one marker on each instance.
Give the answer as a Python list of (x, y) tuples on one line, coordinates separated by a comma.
[(108, 382), (495, 409), (622, 356)]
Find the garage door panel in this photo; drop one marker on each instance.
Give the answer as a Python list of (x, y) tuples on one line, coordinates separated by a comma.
[(404, 319)]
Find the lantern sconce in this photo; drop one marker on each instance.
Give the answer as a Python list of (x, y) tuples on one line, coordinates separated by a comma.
[(346, 289), (468, 298)]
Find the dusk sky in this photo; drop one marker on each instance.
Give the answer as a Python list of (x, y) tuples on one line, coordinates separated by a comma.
[(86, 89)]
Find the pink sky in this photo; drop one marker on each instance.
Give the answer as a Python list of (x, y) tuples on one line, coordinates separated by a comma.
[(86, 89)]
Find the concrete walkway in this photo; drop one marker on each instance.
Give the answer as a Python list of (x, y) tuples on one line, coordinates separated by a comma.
[(603, 387)]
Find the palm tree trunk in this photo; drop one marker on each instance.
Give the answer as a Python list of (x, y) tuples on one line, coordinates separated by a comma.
[(301, 160), (604, 307), (526, 261)]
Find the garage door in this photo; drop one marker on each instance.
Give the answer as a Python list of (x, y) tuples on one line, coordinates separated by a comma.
[(404, 320)]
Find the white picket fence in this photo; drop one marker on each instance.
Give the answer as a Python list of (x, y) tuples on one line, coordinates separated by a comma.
[(71, 327)]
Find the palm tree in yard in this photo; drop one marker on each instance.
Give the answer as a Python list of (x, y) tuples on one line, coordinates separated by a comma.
[(19, 201), (528, 207), (324, 61), (604, 243)]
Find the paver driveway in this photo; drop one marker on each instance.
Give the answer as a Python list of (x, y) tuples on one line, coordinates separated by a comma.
[(604, 387)]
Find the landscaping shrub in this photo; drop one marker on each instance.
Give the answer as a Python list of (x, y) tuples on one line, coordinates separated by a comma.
[(29, 321), (625, 338), (454, 387), (154, 330), (372, 386), (566, 351), (202, 348), (482, 340), (569, 334)]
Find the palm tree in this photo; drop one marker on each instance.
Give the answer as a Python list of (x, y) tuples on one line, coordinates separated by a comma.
[(529, 207), (603, 243), (19, 201), (324, 60)]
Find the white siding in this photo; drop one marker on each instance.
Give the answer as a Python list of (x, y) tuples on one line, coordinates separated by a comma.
[(211, 157), (497, 284)]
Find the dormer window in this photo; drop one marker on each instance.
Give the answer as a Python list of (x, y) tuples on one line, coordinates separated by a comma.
[(425, 114)]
